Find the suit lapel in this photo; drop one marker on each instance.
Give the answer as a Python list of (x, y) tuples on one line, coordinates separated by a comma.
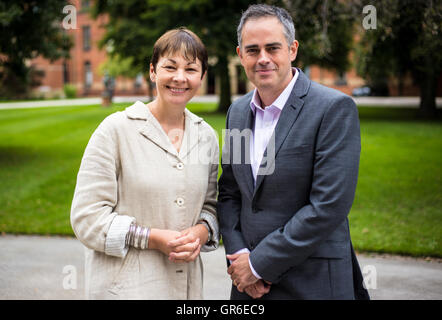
[(246, 168)]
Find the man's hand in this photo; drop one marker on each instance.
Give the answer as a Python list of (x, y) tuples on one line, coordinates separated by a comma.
[(258, 289), (240, 271)]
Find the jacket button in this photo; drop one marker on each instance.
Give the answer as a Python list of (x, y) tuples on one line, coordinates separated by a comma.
[(180, 202), (180, 166)]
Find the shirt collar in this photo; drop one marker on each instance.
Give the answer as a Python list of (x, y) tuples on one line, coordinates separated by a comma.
[(282, 98)]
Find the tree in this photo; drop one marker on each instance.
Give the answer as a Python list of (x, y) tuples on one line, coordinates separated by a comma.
[(28, 28), (135, 25), (407, 39), (324, 29)]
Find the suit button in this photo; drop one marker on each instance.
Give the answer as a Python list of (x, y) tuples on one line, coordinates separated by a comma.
[(180, 166)]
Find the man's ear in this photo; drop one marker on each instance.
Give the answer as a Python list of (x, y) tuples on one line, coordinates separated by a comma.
[(202, 77), (294, 50), (238, 52)]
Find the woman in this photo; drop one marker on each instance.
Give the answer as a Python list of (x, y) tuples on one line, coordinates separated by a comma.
[(144, 204)]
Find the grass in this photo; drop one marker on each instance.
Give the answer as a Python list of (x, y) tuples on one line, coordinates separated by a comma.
[(398, 202)]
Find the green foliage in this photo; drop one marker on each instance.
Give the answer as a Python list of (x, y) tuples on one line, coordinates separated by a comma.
[(116, 66), (325, 30), (70, 91), (407, 40), (27, 29)]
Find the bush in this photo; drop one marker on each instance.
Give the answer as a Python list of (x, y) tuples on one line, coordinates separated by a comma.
[(70, 91)]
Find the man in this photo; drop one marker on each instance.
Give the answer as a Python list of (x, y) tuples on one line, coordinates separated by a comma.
[(283, 214)]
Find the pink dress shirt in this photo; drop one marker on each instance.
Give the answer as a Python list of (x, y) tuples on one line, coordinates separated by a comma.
[(265, 122)]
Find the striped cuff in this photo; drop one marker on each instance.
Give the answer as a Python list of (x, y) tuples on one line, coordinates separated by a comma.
[(115, 244), (212, 244)]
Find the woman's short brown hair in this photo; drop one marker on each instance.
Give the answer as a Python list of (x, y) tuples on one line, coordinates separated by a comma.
[(180, 40)]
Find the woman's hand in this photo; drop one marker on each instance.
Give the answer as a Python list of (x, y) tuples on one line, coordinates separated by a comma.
[(187, 247), (159, 239)]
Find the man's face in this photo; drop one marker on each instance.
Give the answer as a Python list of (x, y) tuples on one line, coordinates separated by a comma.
[(265, 54)]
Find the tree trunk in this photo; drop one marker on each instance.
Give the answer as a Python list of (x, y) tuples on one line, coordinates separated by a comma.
[(222, 70), (427, 107), (14, 81)]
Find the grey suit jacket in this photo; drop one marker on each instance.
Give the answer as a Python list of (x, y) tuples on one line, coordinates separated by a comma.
[(294, 221)]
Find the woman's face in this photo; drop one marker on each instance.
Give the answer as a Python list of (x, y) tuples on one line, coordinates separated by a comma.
[(176, 78)]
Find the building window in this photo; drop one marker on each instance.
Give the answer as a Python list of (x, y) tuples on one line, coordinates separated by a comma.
[(86, 38), (341, 80), (138, 82), (65, 72), (88, 75)]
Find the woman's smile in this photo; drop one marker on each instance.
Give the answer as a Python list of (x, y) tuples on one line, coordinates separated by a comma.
[(176, 89)]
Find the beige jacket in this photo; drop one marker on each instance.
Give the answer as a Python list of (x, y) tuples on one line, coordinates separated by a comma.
[(130, 172)]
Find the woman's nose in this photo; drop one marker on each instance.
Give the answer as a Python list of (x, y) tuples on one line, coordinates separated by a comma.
[(179, 76)]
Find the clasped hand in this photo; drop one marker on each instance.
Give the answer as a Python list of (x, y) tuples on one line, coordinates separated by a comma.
[(243, 278), (180, 247)]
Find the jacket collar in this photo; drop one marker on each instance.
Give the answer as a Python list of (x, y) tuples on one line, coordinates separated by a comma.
[(153, 131), (139, 111)]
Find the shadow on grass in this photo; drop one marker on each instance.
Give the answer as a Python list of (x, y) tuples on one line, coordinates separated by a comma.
[(393, 114), (13, 155)]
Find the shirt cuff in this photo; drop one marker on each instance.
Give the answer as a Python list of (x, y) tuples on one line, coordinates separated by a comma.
[(115, 244), (245, 250), (253, 270)]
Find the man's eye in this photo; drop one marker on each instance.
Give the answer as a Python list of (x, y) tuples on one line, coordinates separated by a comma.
[(191, 70), (169, 67)]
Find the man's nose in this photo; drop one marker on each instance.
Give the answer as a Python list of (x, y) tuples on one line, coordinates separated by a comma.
[(263, 57)]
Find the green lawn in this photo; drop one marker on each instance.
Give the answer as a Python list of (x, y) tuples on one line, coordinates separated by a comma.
[(398, 201)]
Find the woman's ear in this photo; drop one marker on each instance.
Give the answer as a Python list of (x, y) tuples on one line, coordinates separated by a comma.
[(204, 74), (152, 73)]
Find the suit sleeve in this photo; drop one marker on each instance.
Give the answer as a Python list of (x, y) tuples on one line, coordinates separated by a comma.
[(335, 173), (229, 201)]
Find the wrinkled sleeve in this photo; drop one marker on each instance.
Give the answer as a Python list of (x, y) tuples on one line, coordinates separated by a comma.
[(208, 212), (93, 219)]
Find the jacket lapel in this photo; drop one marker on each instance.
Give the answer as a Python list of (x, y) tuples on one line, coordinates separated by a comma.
[(191, 136), (151, 129), (287, 119), (246, 168)]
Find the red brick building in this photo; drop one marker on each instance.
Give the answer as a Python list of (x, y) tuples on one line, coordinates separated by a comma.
[(82, 69)]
